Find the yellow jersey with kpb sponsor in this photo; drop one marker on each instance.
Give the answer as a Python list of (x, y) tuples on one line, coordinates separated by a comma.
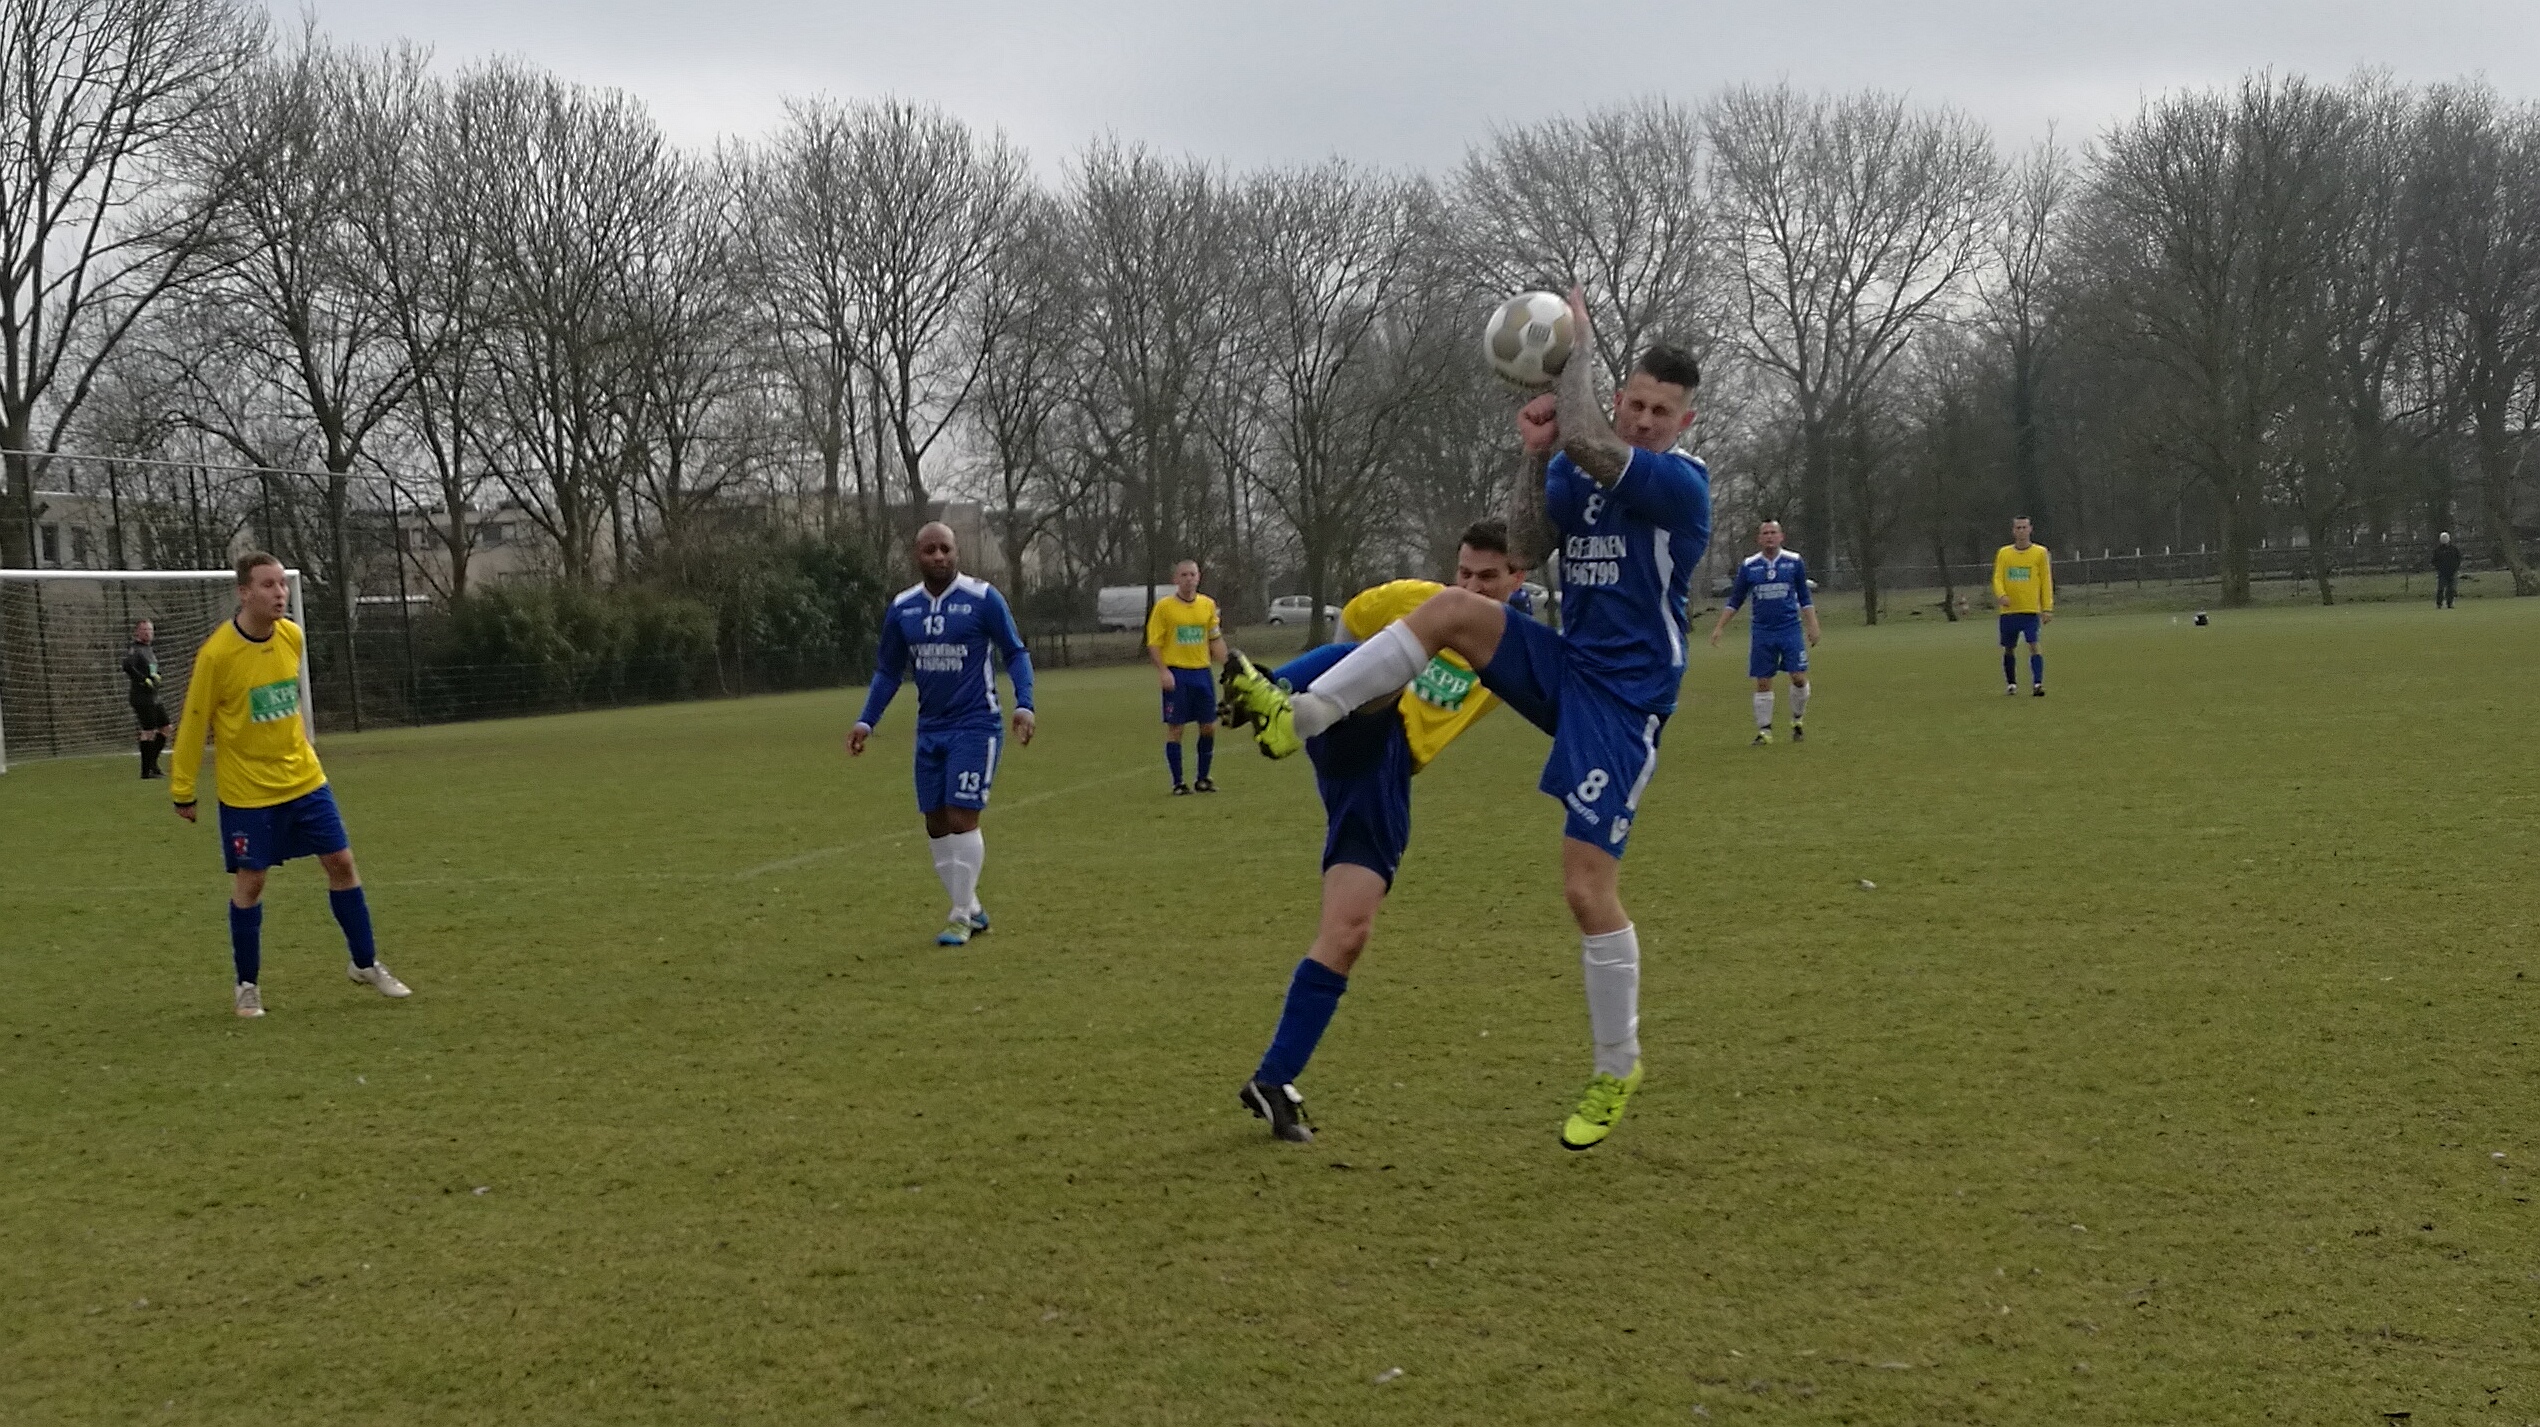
[(1448, 696), (1182, 628), (245, 693), (2023, 580)]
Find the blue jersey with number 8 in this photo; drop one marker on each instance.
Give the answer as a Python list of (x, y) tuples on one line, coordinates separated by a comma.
[(1627, 557)]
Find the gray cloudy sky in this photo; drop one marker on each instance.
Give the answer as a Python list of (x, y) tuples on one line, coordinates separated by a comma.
[(1406, 83)]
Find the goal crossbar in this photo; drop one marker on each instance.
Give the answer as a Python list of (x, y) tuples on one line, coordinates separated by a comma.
[(58, 658)]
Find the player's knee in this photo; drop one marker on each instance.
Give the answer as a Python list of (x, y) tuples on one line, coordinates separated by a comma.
[(247, 888)]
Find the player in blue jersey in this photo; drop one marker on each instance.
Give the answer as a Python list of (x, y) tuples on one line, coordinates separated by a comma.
[(1633, 516), (942, 631), (1781, 629)]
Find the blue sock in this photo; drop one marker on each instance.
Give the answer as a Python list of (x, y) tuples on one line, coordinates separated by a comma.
[(2037, 669), (1173, 760), (1314, 992), (247, 939), (1207, 752), (352, 913), (2010, 667)]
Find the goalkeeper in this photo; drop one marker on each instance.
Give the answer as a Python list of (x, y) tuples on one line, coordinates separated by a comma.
[(1362, 767)]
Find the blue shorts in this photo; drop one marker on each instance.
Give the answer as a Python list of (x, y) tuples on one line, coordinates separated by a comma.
[(1603, 749), (2016, 625), (253, 839), (1193, 699), (1781, 652), (1362, 767), (955, 767)]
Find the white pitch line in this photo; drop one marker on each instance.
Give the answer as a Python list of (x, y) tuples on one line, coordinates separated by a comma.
[(800, 859)]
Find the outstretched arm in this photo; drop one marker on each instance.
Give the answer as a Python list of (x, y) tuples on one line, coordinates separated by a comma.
[(1587, 433), (1531, 537)]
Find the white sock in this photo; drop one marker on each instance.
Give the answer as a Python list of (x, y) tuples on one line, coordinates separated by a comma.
[(1798, 702), (1612, 963), (1764, 709), (1384, 664), (958, 858)]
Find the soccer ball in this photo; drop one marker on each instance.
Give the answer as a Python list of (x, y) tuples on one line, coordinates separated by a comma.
[(1528, 339)]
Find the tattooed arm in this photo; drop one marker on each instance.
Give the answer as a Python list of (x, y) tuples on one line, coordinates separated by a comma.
[(1530, 532), (1587, 435)]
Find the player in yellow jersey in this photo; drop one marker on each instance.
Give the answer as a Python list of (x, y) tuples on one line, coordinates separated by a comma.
[(2024, 592), (1185, 642), (1363, 767), (274, 803)]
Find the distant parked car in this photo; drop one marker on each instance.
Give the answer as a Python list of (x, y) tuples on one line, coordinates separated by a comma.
[(1296, 609)]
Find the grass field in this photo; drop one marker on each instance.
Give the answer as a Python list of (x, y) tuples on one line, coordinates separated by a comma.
[(2180, 1068)]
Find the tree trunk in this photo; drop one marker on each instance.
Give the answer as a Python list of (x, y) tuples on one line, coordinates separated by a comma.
[(1816, 487), (2235, 517), (2496, 484), (1948, 582)]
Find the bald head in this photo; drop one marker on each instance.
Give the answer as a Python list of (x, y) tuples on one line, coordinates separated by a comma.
[(937, 560)]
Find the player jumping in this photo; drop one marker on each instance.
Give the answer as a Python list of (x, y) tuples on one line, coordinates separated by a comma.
[(2024, 591), (1185, 642), (1780, 631), (274, 801), (1634, 516), (941, 629), (1362, 767)]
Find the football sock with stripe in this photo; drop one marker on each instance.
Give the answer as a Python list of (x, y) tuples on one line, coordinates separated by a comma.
[(352, 913), (1314, 992), (1798, 702), (1763, 710), (247, 940), (1612, 963), (1173, 760), (1207, 752), (1385, 663), (2037, 669)]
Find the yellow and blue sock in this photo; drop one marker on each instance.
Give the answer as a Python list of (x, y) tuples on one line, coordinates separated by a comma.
[(1314, 992), (352, 913), (1207, 752), (1173, 760), (247, 940)]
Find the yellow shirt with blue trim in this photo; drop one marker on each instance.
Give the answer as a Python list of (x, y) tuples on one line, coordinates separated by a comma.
[(1182, 629), (1448, 696), (245, 694), (2023, 580)]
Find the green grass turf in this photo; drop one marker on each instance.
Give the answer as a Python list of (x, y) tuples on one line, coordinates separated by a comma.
[(2160, 1078)]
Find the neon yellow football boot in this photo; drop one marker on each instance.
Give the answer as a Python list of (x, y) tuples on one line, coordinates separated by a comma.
[(1599, 1108), (1251, 699)]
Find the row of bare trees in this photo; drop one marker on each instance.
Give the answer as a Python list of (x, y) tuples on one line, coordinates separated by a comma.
[(2274, 311)]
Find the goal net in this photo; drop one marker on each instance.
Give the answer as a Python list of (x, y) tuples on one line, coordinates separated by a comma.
[(63, 634)]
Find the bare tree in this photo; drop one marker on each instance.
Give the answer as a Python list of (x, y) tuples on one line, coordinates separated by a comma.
[(2017, 286), (2208, 229), (2476, 171), (1330, 259), (1029, 313), (98, 217), (1850, 223), (1609, 202), (573, 184), (1153, 241)]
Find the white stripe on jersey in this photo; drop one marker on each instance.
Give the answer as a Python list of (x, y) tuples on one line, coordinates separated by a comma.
[(1660, 547)]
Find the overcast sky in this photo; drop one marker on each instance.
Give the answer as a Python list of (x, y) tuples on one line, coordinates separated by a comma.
[(1415, 83)]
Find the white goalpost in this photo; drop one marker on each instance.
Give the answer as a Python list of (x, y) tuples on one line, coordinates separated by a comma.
[(62, 640)]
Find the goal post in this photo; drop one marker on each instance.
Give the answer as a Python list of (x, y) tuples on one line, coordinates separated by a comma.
[(62, 639)]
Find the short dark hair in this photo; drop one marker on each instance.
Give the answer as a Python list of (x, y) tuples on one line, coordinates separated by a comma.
[(248, 562), (1490, 533), (1671, 364)]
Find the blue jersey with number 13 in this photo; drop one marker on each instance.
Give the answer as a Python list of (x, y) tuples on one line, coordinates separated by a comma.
[(944, 642)]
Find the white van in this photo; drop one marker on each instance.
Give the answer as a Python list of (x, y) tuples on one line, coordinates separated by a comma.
[(1126, 606)]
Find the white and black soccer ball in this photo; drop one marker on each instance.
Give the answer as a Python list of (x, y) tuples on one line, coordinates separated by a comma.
[(1528, 339)]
